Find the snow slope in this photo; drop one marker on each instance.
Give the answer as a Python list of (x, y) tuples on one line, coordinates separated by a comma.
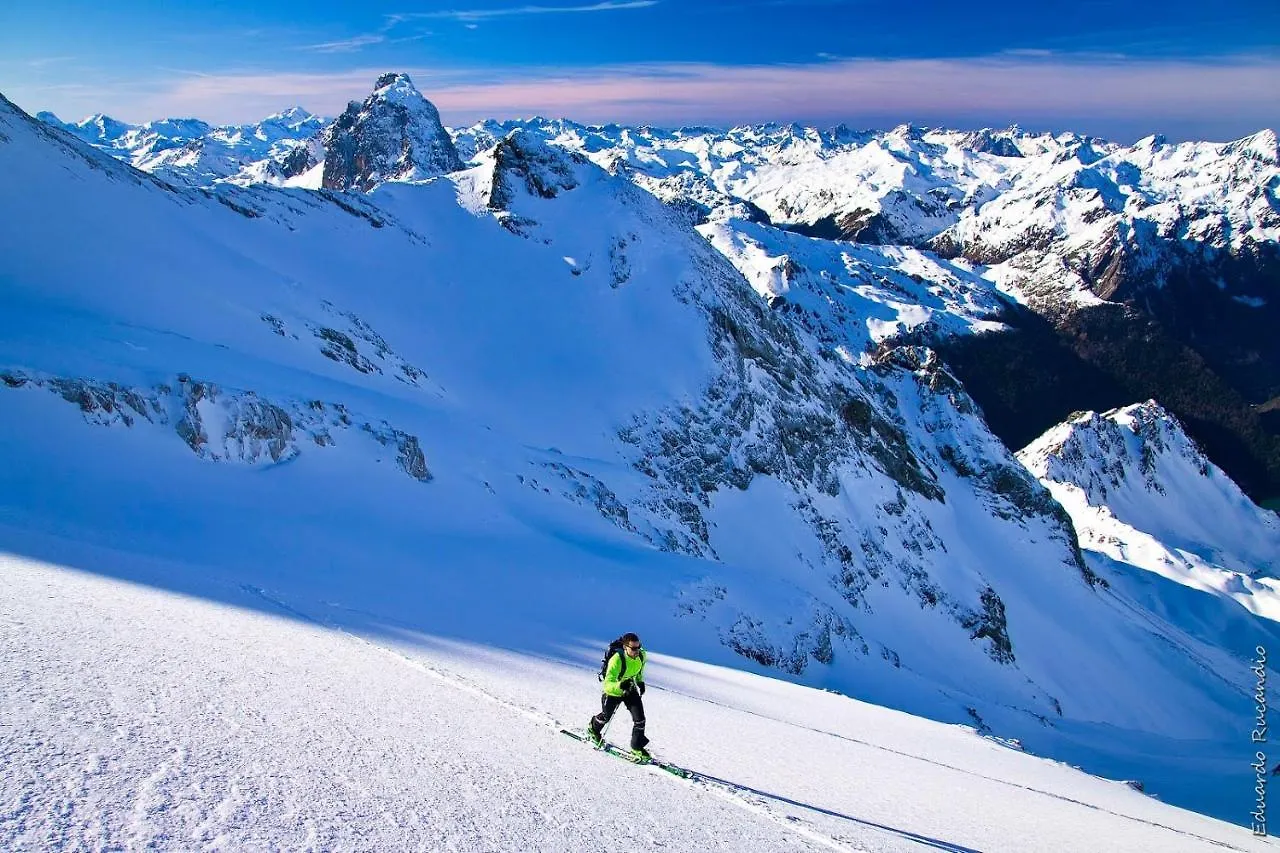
[(858, 297), (520, 405), (225, 717)]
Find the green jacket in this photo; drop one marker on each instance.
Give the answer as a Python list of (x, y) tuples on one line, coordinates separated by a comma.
[(620, 668)]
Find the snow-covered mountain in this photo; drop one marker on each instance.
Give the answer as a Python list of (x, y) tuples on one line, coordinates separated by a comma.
[(1093, 224), (1117, 246), (395, 135), (1141, 492), (991, 195), (518, 403), (190, 152), (903, 186)]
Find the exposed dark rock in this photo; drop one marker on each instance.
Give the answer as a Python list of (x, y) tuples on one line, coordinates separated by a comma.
[(250, 427), (410, 457), (989, 624), (219, 424), (581, 487), (341, 348), (524, 160), (986, 141), (103, 402), (300, 159), (619, 263)]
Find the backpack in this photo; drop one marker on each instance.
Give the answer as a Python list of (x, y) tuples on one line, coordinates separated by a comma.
[(615, 648)]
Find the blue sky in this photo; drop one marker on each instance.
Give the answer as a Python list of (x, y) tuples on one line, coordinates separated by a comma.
[(1186, 69)]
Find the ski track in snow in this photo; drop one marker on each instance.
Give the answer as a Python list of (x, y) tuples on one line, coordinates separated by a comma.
[(725, 789), (966, 771), (148, 790), (731, 791)]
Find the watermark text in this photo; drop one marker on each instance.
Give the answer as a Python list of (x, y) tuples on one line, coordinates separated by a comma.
[(1259, 736)]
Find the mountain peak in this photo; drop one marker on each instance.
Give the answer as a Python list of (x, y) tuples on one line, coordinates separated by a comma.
[(1001, 143), (394, 79), (1152, 142), (97, 129), (395, 135), (396, 88), (1262, 145), (178, 128), (1114, 450), (292, 115), (523, 159), (1141, 491)]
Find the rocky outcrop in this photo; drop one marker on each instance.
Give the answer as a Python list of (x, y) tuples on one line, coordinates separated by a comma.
[(222, 424), (523, 162), (233, 426), (1141, 491), (349, 340)]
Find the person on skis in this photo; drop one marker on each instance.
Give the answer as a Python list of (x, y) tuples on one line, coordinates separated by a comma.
[(623, 685)]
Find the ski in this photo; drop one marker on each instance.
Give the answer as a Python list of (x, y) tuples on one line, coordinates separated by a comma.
[(618, 752)]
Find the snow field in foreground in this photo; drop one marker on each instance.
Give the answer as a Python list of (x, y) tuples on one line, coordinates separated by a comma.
[(135, 718)]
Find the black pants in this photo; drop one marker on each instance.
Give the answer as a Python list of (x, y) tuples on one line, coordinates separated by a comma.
[(609, 704)]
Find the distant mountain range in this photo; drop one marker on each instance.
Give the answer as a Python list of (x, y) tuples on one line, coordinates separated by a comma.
[(1132, 272)]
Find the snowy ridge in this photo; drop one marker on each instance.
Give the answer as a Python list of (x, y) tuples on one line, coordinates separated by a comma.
[(858, 297), (605, 407), (1125, 219), (1065, 219), (1141, 492), (192, 153), (992, 195), (901, 186)]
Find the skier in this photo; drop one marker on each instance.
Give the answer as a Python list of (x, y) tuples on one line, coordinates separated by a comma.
[(623, 685)]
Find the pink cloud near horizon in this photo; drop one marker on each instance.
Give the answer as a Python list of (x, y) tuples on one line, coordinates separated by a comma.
[(1052, 91)]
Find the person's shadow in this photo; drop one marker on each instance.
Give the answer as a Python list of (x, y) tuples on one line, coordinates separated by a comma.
[(901, 833)]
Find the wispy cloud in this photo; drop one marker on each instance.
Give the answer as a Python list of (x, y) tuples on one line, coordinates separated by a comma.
[(472, 15), (44, 61), (1222, 98), (1104, 95), (347, 45)]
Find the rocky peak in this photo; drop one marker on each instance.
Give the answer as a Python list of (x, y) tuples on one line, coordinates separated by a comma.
[(177, 128), (1141, 491), (394, 135), (294, 118), (522, 159), (996, 142), (97, 129), (1122, 449)]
